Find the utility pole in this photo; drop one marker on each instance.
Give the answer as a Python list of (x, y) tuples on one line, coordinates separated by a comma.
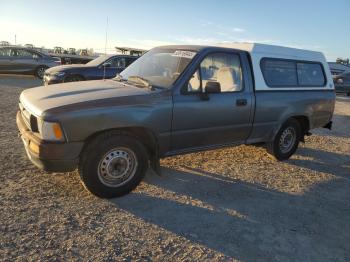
[(15, 39)]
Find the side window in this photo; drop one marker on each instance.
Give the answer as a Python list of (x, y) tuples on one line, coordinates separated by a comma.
[(13, 52), (292, 73), (36, 55), (310, 74), (4, 52), (119, 62), (129, 61), (24, 54), (194, 85), (279, 73), (222, 68)]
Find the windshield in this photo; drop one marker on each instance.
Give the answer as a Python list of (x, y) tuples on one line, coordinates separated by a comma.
[(160, 67), (97, 61)]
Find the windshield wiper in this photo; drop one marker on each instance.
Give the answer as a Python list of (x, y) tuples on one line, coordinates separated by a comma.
[(140, 80)]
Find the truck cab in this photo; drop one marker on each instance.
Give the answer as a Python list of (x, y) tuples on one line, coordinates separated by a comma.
[(175, 100)]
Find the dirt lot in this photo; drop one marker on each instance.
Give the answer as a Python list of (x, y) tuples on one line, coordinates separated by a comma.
[(230, 204)]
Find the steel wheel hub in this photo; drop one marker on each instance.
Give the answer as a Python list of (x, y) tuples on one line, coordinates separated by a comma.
[(287, 140), (117, 167)]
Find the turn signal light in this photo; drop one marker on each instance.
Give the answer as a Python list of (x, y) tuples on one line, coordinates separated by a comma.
[(57, 131)]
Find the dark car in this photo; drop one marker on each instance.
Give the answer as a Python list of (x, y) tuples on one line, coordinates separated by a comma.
[(342, 83), (106, 66), (20, 60)]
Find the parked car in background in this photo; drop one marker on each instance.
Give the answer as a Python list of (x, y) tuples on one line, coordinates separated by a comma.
[(106, 66), (342, 83), (176, 100), (20, 60)]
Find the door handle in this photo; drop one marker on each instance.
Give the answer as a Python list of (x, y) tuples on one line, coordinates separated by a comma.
[(241, 102)]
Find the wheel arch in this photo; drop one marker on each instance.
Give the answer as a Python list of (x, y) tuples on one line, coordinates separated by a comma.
[(144, 135), (303, 121), (42, 65)]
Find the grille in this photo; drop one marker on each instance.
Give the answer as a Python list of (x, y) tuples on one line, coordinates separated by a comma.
[(29, 120)]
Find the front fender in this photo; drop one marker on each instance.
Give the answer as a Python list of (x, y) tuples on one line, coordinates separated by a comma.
[(80, 121)]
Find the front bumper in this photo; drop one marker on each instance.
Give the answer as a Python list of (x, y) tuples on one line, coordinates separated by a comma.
[(342, 88), (49, 156)]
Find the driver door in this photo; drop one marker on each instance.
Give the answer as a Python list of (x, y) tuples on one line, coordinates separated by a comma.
[(25, 61), (214, 108)]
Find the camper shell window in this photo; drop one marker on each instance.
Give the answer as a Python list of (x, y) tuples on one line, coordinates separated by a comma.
[(292, 73)]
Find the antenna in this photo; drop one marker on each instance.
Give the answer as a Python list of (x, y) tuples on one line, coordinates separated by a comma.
[(104, 68)]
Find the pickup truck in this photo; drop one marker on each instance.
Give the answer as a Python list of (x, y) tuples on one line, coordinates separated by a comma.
[(175, 100)]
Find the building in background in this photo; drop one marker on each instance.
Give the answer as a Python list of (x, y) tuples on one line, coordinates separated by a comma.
[(130, 51)]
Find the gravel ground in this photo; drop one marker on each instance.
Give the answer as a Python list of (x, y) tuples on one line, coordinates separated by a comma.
[(229, 204)]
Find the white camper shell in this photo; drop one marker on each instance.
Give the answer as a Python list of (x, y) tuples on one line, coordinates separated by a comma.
[(259, 52)]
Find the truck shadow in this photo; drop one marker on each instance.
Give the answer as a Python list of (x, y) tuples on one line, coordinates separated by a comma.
[(341, 124), (323, 161), (247, 221)]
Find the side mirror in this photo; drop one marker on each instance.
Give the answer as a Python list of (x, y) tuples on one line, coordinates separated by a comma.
[(212, 87)]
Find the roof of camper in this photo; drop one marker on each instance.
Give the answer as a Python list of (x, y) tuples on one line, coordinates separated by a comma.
[(259, 50), (282, 51)]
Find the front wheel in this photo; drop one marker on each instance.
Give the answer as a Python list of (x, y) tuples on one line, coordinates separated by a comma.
[(40, 71), (112, 165), (286, 141)]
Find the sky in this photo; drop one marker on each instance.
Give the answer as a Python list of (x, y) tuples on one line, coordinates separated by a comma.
[(321, 25)]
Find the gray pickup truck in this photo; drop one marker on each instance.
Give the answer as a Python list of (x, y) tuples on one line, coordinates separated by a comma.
[(175, 100)]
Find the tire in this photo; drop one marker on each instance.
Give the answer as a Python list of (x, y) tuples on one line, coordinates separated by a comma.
[(40, 71), (113, 164), (74, 78), (348, 94), (286, 141)]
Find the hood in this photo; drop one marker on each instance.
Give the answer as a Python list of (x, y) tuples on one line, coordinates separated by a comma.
[(40, 99), (64, 68)]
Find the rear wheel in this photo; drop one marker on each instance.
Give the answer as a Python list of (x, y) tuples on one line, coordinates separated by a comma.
[(286, 141), (40, 71), (112, 165)]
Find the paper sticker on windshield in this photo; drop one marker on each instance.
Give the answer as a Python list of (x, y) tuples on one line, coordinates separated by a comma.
[(184, 54)]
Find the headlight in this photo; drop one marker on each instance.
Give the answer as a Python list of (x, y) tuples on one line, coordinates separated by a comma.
[(59, 74), (340, 81), (50, 131)]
